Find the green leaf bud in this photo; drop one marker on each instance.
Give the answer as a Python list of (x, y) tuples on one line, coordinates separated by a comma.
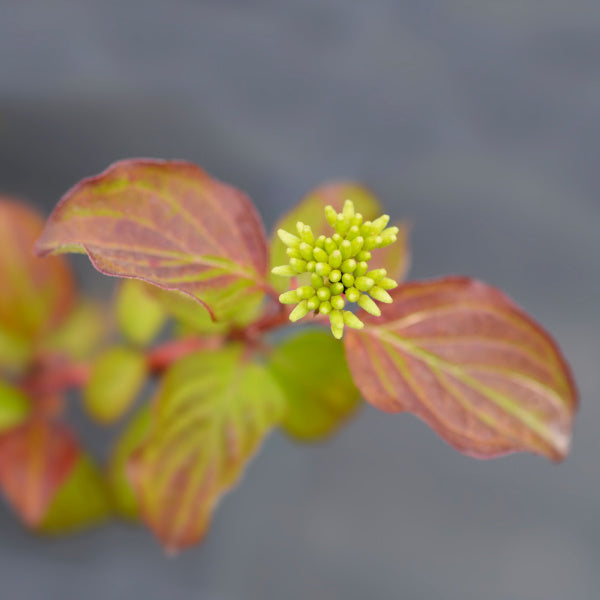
[(363, 256), (330, 215), (337, 302), (300, 311), (310, 266), (346, 249), (349, 265), (306, 250), (288, 239), (290, 297), (337, 288), (348, 280), (313, 303), (283, 271), (320, 255), (316, 281), (325, 307), (305, 291), (357, 243), (335, 259), (361, 269), (366, 303), (351, 320), (298, 265), (364, 284), (330, 245), (352, 294), (380, 294), (377, 274), (307, 235), (322, 269), (324, 293), (387, 284), (335, 276)]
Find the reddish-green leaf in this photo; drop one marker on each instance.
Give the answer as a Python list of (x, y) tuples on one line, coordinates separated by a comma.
[(211, 413), (312, 372), (35, 459), (311, 212), (35, 294), (167, 223), (469, 362)]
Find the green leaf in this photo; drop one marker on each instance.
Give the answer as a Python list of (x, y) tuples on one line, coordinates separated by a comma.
[(312, 372), (15, 407), (139, 315), (36, 295), (170, 224), (81, 501), (123, 498), (81, 332), (35, 460), (473, 365), (311, 211), (116, 379), (210, 415)]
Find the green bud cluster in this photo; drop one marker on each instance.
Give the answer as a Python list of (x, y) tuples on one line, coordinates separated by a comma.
[(338, 267)]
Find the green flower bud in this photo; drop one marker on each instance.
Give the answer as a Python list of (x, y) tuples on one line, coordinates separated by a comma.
[(386, 240), (363, 256), (283, 271), (378, 225), (330, 245), (337, 302), (353, 232), (300, 228), (387, 284), (346, 249), (380, 294), (324, 293), (325, 307), (298, 265), (307, 235), (322, 269), (313, 303), (352, 294), (330, 215), (337, 238), (293, 253), (290, 297), (357, 220), (337, 323), (316, 281), (300, 311), (357, 243), (305, 291), (351, 320), (366, 303), (348, 280), (364, 284), (348, 210), (320, 241), (337, 288), (335, 259), (335, 276), (306, 250), (320, 255), (288, 239), (310, 266), (361, 269), (349, 265), (377, 274), (341, 225), (372, 242)]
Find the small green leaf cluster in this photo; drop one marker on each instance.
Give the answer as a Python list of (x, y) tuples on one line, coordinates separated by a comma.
[(338, 267)]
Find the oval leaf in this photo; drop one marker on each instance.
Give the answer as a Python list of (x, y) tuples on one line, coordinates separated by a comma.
[(211, 413), (35, 459), (35, 294), (477, 369), (312, 372), (167, 223), (311, 211)]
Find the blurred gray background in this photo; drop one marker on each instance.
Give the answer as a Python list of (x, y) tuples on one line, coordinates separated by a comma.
[(479, 120)]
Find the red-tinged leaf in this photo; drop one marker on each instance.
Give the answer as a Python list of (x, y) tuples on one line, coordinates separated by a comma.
[(212, 411), (35, 459), (478, 370), (35, 295), (170, 224), (395, 258), (311, 211)]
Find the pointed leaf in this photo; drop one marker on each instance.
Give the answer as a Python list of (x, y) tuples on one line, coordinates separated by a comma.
[(81, 501), (167, 223), (35, 459), (117, 377), (312, 372), (35, 295), (477, 369), (311, 212), (211, 413)]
